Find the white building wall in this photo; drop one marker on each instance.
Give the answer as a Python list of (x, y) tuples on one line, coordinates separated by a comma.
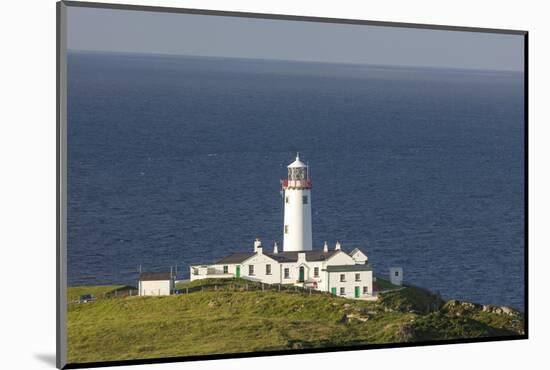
[(231, 269), (369, 282), (297, 221), (396, 275), (325, 280), (260, 261), (292, 273), (319, 266), (359, 257), (213, 271), (340, 258), (155, 287), (309, 273), (350, 283)]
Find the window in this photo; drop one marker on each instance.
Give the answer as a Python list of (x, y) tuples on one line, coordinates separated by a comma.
[(365, 290), (226, 269), (286, 199), (286, 229), (397, 273), (342, 291), (268, 269), (342, 277), (357, 277), (250, 269), (304, 199), (287, 273), (316, 272)]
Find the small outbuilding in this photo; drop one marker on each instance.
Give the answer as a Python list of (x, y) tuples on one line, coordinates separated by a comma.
[(156, 283), (396, 275)]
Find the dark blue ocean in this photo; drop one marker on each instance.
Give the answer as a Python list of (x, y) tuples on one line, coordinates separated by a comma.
[(177, 160)]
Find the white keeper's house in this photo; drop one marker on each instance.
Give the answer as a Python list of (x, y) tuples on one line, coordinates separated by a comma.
[(327, 269)]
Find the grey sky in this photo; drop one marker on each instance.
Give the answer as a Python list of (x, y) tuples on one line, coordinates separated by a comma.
[(200, 35)]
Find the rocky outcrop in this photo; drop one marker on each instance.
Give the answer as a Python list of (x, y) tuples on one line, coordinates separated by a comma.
[(500, 310), (459, 308)]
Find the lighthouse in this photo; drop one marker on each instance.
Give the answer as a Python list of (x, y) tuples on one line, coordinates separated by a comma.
[(331, 270), (297, 201)]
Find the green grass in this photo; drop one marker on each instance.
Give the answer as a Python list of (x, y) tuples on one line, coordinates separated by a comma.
[(219, 283), (97, 291), (226, 321), (385, 284), (411, 299)]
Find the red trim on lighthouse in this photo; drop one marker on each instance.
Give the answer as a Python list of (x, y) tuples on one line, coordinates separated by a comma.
[(296, 184)]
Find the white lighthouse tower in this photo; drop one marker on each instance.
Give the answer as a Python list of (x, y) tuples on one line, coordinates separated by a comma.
[(297, 200)]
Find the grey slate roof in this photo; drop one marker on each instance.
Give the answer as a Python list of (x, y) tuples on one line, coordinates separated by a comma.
[(346, 268), (154, 276), (315, 255), (235, 258)]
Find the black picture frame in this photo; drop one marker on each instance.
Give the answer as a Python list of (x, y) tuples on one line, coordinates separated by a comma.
[(61, 184)]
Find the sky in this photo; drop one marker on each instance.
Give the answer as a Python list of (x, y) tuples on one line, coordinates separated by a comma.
[(219, 36)]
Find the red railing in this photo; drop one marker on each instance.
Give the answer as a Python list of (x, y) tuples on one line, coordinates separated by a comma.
[(306, 184)]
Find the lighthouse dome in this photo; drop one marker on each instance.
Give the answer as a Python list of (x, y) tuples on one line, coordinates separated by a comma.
[(297, 163)]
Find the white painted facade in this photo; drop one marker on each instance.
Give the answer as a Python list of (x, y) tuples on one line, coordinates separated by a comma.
[(358, 256), (332, 271), (212, 271), (155, 287), (396, 275), (350, 284), (297, 233)]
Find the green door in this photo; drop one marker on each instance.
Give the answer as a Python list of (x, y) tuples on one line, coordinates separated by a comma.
[(238, 272), (301, 278), (357, 292), (333, 291)]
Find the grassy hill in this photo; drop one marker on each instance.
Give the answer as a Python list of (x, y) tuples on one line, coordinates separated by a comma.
[(74, 293), (239, 317)]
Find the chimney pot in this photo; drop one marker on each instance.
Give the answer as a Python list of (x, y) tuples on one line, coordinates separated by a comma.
[(257, 244)]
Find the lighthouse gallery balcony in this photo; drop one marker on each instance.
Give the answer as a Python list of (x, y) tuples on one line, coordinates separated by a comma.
[(299, 184)]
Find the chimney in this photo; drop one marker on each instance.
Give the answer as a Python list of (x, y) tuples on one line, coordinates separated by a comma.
[(325, 248), (301, 257), (257, 245), (275, 248), (338, 246)]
